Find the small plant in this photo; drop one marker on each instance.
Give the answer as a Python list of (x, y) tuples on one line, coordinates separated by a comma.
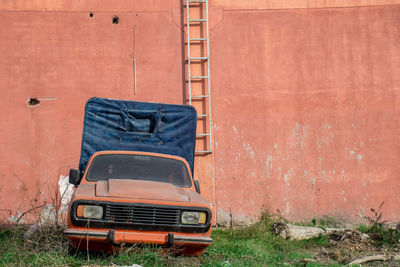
[(314, 222), (318, 224), (376, 223), (378, 230)]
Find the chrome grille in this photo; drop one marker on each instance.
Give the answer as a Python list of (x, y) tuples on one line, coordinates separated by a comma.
[(145, 215)]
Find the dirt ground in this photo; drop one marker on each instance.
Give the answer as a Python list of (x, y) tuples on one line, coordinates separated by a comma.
[(349, 245), (346, 245)]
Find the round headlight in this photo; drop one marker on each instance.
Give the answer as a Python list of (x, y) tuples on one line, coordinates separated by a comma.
[(193, 217), (89, 211)]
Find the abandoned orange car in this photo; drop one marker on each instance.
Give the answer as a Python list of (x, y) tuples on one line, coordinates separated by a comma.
[(127, 197)]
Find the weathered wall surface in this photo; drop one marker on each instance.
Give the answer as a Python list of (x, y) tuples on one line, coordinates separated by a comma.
[(305, 98), (306, 115)]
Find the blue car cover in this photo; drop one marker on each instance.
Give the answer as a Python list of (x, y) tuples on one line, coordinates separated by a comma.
[(138, 126)]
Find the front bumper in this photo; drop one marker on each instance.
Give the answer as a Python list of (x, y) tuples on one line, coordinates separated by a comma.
[(118, 237)]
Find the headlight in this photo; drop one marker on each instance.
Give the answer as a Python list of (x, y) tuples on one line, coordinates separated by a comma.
[(193, 217), (89, 211)]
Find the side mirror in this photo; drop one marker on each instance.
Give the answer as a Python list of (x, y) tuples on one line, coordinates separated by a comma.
[(74, 177), (197, 186)]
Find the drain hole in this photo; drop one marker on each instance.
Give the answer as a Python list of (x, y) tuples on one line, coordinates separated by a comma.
[(115, 20), (91, 14), (33, 102)]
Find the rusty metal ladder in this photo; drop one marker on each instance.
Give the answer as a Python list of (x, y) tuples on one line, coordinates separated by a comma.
[(205, 98)]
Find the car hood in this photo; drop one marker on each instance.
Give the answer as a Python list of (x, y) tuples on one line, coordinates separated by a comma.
[(136, 189)]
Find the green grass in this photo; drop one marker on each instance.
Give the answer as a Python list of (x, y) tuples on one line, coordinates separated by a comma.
[(248, 246)]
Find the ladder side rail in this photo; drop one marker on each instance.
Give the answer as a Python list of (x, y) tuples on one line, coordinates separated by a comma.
[(188, 44), (208, 80)]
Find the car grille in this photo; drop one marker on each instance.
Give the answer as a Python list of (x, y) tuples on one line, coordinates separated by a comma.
[(145, 215)]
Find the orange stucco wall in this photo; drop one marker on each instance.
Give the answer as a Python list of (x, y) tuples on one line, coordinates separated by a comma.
[(305, 98)]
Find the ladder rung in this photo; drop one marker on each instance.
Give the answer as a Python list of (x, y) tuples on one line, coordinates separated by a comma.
[(203, 151), (197, 20), (199, 96), (202, 134), (197, 1), (202, 115), (198, 58), (198, 39), (198, 77)]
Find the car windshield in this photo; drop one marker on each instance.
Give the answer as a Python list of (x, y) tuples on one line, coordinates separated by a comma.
[(139, 167)]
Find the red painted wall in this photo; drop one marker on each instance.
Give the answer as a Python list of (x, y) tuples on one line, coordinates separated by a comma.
[(307, 115), (305, 98)]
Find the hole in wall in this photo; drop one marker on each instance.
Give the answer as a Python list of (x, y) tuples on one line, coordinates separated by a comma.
[(91, 14), (33, 101), (115, 20)]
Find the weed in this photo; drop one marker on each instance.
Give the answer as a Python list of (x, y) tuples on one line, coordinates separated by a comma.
[(378, 230), (376, 223)]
